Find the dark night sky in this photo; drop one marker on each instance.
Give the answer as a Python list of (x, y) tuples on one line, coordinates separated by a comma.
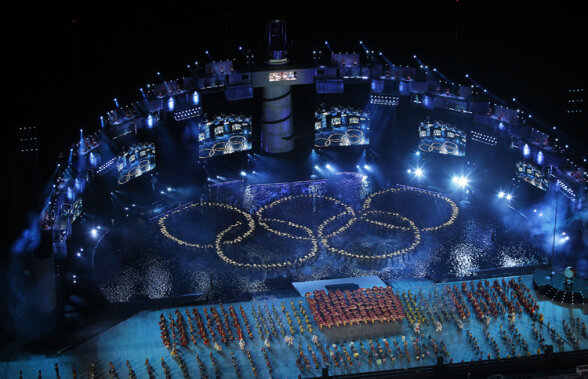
[(66, 68)]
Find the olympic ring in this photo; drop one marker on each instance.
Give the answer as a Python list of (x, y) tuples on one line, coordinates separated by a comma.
[(164, 231), (416, 238), (447, 147), (284, 264), (134, 172), (350, 137), (454, 209), (322, 235), (263, 220), (234, 143)]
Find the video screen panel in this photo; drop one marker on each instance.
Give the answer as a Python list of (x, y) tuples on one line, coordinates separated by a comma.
[(224, 135), (341, 126), (441, 138), (72, 210), (135, 161), (532, 175)]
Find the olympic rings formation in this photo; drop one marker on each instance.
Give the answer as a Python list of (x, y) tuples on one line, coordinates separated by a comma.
[(133, 172), (234, 143), (247, 216), (264, 221), (454, 209), (350, 137), (446, 147)]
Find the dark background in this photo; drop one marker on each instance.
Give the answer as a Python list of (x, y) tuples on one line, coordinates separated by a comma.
[(66, 65)]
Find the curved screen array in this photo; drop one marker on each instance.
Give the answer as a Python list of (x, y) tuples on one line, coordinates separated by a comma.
[(532, 175), (441, 138), (224, 135), (135, 161), (341, 126)]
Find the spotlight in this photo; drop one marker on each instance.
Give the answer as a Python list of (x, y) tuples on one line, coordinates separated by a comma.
[(509, 197), (367, 167), (460, 181), (316, 167), (168, 189), (79, 254), (243, 173), (501, 194), (94, 233), (328, 166), (357, 166), (418, 172), (409, 171)]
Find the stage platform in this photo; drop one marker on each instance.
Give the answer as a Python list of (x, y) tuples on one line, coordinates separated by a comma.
[(341, 284), (553, 287), (138, 338)]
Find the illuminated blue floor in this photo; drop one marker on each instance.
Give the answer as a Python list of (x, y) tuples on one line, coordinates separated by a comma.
[(138, 338)]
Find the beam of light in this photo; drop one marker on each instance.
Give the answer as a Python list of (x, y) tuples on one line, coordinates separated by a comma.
[(94, 233), (243, 173), (418, 172), (509, 197), (460, 181), (501, 194)]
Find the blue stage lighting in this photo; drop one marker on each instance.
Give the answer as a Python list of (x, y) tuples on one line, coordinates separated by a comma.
[(409, 171), (501, 194), (418, 172), (168, 189), (357, 166), (328, 166), (367, 167), (94, 233), (171, 104), (78, 254), (460, 181), (243, 173), (509, 197), (316, 167)]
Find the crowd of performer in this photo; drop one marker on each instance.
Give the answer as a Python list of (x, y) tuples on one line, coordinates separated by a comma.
[(217, 334)]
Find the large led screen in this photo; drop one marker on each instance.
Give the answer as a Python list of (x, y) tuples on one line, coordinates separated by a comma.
[(224, 135), (441, 138), (135, 161), (341, 126), (532, 175)]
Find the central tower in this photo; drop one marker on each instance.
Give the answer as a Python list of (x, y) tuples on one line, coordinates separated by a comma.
[(277, 126)]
